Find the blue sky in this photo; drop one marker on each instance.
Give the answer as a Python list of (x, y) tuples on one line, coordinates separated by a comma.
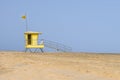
[(85, 25)]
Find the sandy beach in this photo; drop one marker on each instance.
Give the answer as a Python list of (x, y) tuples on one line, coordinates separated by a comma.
[(59, 66)]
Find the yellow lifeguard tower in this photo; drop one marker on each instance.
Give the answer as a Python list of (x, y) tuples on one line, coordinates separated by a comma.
[(31, 41)]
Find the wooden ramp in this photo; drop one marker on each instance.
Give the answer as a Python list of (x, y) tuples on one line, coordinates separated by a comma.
[(57, 46)]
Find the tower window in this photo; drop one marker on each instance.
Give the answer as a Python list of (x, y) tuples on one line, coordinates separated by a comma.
[(29, 39)]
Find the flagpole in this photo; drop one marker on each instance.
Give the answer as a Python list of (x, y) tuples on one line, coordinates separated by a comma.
[(26, 22)]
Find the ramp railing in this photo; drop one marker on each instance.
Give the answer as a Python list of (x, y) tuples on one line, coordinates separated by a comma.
[(57, 46)]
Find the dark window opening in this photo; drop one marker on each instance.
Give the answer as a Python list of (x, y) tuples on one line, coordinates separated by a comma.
[(29, 39)]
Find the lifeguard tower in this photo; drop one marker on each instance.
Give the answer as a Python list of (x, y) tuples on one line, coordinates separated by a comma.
[(31, 41)]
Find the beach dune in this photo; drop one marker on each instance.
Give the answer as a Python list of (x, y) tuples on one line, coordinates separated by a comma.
[(59, 66)]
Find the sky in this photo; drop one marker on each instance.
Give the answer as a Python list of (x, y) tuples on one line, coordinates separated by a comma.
[(85, 25)]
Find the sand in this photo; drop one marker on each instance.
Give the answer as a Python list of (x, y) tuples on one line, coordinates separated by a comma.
[(59, 66)]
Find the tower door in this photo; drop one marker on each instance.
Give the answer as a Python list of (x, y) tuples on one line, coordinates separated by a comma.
[(29, 39)]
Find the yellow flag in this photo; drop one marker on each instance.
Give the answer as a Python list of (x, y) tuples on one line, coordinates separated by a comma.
[(24, 17)]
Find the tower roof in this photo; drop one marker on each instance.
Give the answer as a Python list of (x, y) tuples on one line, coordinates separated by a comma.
[(32, 32)]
